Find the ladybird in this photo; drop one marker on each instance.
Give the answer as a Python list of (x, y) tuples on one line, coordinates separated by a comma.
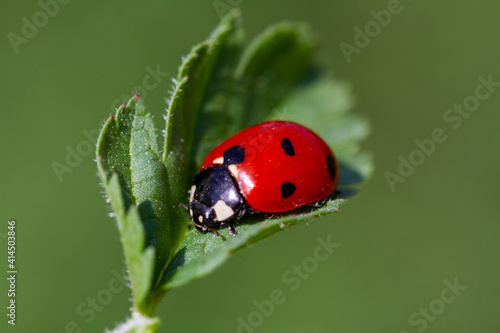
[(273, 167)]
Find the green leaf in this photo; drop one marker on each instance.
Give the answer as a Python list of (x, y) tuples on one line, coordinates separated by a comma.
[(276, 78), (221, 89), (134, 179)]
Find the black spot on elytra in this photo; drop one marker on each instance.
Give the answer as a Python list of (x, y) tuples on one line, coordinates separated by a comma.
[(287, 189), (233, 155), (287, 147), (330, 164)]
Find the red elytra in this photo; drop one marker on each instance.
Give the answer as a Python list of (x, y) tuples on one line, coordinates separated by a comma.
[(285, 166)]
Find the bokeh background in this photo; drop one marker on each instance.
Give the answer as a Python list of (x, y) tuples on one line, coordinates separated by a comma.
[(397, 247)]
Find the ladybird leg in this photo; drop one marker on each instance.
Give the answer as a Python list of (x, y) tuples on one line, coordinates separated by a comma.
[(232, 229), (214, 230), (250, 210), (183, 206), (206, 229)]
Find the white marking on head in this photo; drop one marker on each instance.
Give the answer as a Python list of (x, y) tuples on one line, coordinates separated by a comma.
[(218, 160), (191, 193), (222, 210), (234, 170), (190, 212)]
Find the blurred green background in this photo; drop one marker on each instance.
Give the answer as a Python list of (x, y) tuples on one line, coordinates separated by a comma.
[(397, 247)]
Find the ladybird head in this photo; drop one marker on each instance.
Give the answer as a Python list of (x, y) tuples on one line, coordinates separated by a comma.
[(203, 217), (215, 199)]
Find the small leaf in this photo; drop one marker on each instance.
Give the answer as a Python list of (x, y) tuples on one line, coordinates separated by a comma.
[(193, 80), (134, 178), (140, 262)]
